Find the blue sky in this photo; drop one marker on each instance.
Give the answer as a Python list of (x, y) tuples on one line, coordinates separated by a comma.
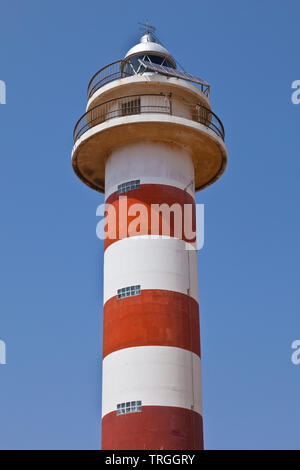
[(51, 259)]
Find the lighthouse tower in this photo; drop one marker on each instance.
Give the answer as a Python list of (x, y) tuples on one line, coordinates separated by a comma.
[(150, 139)]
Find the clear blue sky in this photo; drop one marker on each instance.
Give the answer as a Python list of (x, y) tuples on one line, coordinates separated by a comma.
[(51, 260)]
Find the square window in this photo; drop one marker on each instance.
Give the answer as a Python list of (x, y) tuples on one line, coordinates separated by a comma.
[(131, 107)]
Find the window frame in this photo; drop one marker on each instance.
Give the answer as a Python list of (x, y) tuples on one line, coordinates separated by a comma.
[(128, 186), (134, 406), (128, 291)]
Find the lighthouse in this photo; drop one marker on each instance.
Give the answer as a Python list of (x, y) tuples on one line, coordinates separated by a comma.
[(149, 140)]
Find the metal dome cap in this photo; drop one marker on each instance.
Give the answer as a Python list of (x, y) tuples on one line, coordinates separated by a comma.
[(149, 45)]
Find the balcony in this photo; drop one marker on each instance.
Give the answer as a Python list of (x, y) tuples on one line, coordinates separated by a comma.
[(121, 69), (143, 104)]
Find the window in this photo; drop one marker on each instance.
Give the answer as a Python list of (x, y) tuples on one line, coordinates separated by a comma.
[(128, 186), (131, 107), (155, 59), (129, 291), (129, 407), (202, 115)]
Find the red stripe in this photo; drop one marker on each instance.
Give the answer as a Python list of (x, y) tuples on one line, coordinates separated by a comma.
[(154, 428), (147, 195), (154, 318)]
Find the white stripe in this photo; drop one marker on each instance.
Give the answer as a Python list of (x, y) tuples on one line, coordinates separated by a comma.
[(150, 163), (151, 262), (156, 375)]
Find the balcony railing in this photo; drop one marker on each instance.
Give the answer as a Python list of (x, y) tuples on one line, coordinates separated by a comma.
[(117, 70), (109, 73), (142, 104)]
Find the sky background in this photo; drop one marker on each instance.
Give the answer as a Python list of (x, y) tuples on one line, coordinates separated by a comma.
[(50, 257)]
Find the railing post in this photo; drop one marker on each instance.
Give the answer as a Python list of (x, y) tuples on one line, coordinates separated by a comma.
[(170, 103)]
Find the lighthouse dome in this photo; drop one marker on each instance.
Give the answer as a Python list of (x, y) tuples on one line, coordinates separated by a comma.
[(149, 49)]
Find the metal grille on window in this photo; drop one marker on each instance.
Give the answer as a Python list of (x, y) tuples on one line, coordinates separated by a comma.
[(128, 186), (131, 107), (129, 291), (202, 115), (129, 407)]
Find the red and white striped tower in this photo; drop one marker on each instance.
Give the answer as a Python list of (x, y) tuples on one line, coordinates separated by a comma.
[(149, 135)]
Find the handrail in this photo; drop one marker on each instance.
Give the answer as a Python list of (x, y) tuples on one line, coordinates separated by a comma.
[(146, 103), (109, 73), (115, 71)]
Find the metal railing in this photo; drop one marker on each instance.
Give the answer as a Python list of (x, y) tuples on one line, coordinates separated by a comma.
[(141, 104), (109, 73), (117, 70), (209, 119)]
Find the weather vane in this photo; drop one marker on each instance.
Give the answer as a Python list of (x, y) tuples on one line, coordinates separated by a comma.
[(148, 27)]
